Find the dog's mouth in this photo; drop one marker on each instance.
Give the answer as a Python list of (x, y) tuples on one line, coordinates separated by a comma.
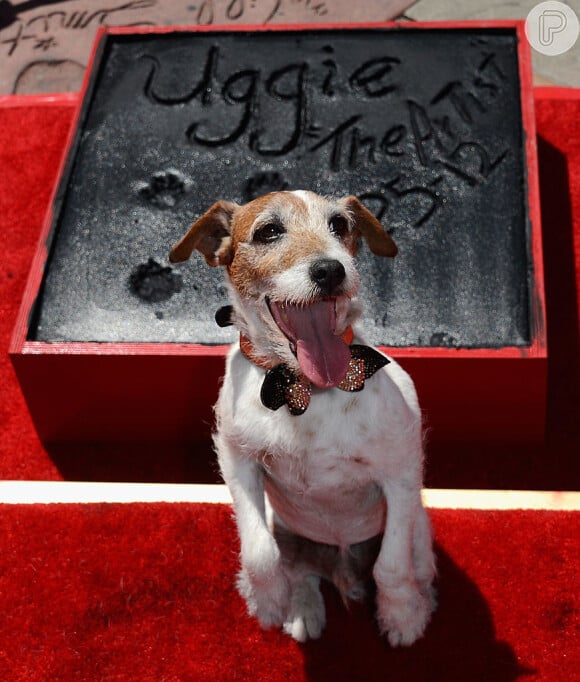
[(310, 328)]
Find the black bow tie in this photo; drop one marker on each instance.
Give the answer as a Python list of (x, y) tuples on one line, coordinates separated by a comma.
[(282, 386)]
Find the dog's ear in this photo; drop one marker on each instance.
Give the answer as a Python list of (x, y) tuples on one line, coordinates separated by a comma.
[(210, 235), (379, 241)]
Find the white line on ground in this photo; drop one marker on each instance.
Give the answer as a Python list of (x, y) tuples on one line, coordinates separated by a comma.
[(72, 492)]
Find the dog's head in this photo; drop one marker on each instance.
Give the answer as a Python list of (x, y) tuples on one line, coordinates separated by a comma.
[(293, 280)]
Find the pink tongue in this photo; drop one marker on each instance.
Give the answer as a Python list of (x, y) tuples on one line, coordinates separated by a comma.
[(322, 356)]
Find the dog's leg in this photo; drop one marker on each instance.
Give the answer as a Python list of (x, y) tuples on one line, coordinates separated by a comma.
[(403, 608), (262, 581), (424, 556), (305, 562), (307, 617)]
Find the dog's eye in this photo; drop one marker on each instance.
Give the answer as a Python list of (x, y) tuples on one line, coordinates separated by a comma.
[(338, 225), (268, 233)]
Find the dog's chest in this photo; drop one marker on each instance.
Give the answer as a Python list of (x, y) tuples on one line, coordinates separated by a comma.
[(321, 451), (335, 446), (318, 473), (324, 482), (342, 436), (323, 470)]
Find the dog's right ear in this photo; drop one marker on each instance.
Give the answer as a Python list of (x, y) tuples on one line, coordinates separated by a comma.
[(378, 239), (210, 235)]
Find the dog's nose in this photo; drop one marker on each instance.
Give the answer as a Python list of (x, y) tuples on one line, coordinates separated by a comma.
[(327, 273)]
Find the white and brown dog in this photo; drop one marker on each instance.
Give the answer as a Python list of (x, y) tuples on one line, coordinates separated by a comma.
[(318, 436)]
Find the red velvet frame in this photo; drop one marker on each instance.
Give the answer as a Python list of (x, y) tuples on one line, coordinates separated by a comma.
[(137, 392)]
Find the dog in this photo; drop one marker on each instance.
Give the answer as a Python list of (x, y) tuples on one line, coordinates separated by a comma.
[(318, 436)]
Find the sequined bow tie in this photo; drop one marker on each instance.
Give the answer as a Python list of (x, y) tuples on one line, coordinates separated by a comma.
[(282, 386)]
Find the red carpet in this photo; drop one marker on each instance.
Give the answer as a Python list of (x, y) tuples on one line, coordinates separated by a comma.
[(32, 137), (145, 593)]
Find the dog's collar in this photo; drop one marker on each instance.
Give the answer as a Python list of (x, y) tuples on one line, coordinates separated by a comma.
[(283, 386)]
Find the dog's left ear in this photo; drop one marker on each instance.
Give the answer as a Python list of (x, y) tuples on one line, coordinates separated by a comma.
[(379, 241), (210, 235)]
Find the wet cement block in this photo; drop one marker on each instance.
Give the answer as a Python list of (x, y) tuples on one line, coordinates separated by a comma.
[(424, 125)]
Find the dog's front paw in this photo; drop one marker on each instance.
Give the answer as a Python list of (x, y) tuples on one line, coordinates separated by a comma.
[(403, 613), (263, 583), (267, 598)]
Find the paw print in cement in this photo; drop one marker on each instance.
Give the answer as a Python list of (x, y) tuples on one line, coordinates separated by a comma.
[(165, 189), (154, 283), (263, 182)]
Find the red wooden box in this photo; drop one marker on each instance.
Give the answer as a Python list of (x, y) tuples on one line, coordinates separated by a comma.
[(132, 391)]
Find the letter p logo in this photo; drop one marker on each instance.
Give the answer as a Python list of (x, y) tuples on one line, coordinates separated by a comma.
[(552, 28), (551, 22)]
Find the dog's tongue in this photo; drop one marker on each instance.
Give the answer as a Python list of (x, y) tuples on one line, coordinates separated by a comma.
[(323, 357)]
